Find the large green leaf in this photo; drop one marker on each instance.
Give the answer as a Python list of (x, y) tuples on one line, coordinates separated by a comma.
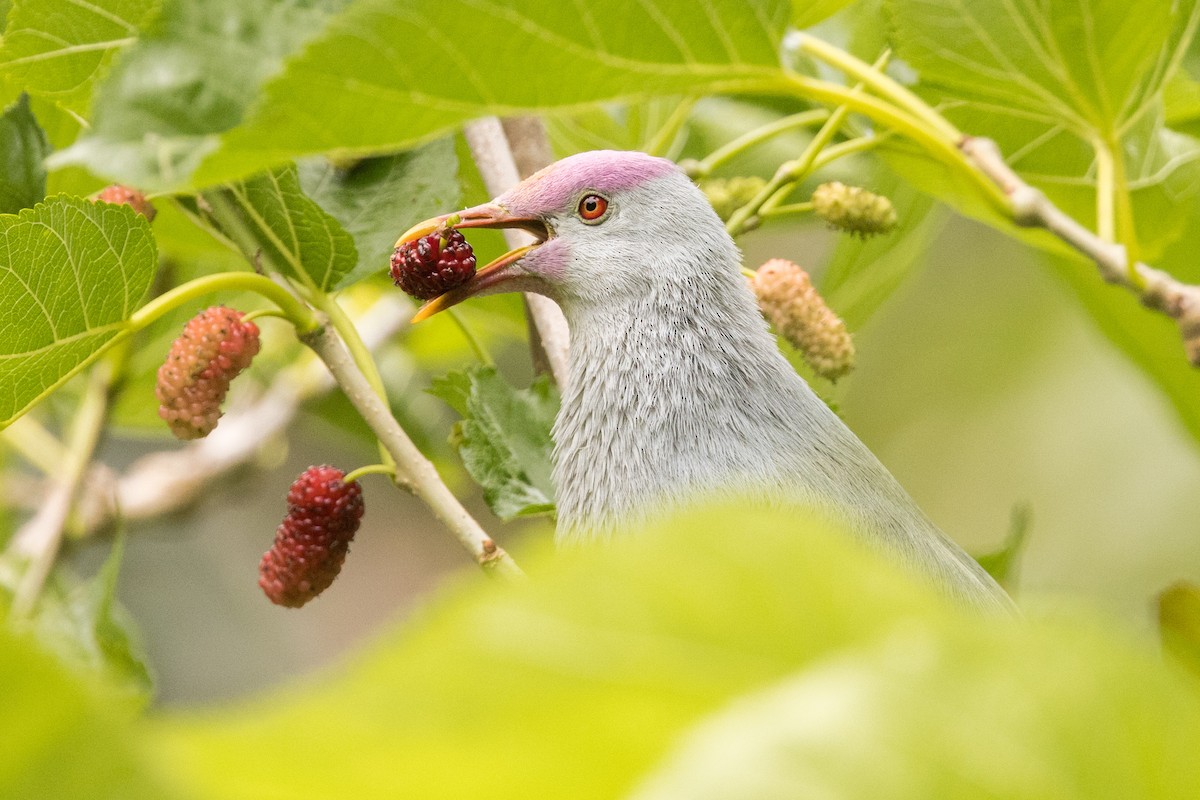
[(23, 147), (71, 273), (388, 74), (589, 674), (1086, 66), (271, 214), (504, 438), (188, 79), (57, 49), (60, 740), (378, 199)]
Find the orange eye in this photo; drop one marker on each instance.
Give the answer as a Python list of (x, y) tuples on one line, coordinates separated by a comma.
[(592, 207)]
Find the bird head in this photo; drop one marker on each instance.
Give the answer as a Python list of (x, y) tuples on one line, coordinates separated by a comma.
[(608, 225)]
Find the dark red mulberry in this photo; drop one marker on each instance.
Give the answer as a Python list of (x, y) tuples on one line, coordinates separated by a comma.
[(433, 265), (312, 541), (215, 346)]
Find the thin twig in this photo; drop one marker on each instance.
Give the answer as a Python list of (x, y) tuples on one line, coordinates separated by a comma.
[(494, 159), (41, 537), (1032, 209), (413, 470)]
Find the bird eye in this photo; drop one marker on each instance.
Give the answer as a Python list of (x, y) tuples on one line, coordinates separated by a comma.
[(592, 208)]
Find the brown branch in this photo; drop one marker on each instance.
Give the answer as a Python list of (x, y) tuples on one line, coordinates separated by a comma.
[(494, 159), (413, 471), (1157, 289)]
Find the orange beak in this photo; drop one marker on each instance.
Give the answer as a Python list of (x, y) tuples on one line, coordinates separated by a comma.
[(501, 270)]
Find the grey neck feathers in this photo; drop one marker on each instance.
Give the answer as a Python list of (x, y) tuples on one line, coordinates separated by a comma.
[(679, 393)]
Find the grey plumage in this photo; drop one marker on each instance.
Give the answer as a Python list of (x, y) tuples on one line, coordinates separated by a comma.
[(677, 389)]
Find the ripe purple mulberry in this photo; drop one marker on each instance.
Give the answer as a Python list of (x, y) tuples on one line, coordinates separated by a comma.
[(433, 265), (312, 541), (123, 195), (215, 346)]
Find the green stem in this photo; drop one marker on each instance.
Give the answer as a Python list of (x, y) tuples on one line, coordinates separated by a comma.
[(755, 137), (51, 520), (877, 80), (932, 139), (259, 313), (359, 352), (372, 469), (850, 147), (790, 208), (294, 311), (1114, 208), (350, 337), (472, 340), (792, 172), (1105, 189), (35, 444)]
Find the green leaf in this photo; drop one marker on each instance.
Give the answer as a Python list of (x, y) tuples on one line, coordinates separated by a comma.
[(1179, 623), (1065, 81), (274, 216), (806, 13), (188, 79), (57, 49), (71, 273), (589, 675), (386, 75), (1084, 67), (23, 147), (60, 739), (504, 438), (378, 199), (1002, 564), (83, 624)]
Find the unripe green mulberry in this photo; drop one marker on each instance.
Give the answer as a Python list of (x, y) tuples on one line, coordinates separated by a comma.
[(799, 314), (214, 347), (727, 195), (853, 209)]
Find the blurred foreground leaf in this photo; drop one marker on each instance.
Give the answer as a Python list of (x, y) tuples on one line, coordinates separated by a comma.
[(62, 741), (588, 676)]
